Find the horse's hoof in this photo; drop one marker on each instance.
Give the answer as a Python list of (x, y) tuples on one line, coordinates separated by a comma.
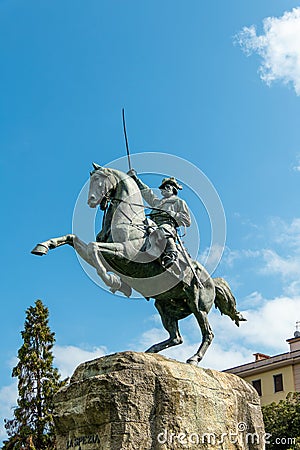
[(192, 361), (239, 318), (125, 289), (40, 250), (150, 350)]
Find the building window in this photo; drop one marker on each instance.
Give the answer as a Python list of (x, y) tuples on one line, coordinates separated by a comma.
[(278, 383), (257, 385)]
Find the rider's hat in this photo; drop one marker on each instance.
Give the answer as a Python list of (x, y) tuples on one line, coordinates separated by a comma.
[(171, 181)]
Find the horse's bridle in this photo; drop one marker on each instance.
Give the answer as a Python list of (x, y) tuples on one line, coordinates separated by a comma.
[(107, 196)]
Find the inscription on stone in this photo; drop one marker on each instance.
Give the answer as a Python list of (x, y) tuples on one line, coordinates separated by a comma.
[(83, 440)]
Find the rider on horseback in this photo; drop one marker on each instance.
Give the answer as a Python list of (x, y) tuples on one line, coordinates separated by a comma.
[(169, 213)]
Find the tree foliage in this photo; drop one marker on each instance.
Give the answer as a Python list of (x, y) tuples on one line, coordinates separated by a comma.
[(282, 421), (32, 425)]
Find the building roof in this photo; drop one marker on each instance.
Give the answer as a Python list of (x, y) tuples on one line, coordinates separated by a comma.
[(262, 365)]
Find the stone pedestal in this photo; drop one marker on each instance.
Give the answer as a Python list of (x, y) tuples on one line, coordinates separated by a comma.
[(140, 401)]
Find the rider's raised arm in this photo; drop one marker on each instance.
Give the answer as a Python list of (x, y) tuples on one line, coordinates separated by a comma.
[(146, 192)]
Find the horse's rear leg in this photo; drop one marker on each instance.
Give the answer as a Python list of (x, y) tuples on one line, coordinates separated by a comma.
[(207, 336), (171, 325), (43, 248)]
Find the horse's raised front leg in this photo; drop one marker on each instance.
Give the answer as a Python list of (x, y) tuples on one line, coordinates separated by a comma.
[(92, 254), (43, 248), (171, 325)]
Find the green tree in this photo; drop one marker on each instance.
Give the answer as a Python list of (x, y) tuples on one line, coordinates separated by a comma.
[(282, 421), (32, 426)]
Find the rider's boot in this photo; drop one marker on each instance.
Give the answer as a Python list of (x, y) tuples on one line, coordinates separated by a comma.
[(170, 255), (169, 259)]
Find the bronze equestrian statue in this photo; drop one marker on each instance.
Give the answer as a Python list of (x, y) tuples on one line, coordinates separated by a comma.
[(132, 252)]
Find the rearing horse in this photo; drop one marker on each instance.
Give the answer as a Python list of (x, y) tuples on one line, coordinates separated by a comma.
[(125, 257)]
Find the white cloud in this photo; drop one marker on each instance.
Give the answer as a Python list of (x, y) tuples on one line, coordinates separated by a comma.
[(211, 256), (296, 166), (281, 256), (8, 399), (285, 260), (218, 356), (68, 357), (231, 256), (293, 289), (245, 220), (253, 300), (279, 48), (266, 330), (288, 267), (285, 233), (268, 326), (273, 323)]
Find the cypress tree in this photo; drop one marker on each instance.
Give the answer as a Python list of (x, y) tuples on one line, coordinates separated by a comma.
[(32, 426)]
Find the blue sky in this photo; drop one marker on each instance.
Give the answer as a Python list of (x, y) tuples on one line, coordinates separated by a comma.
[(196, 84)]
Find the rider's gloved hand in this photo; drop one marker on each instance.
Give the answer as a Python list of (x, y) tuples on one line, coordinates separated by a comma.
[(133, 174)]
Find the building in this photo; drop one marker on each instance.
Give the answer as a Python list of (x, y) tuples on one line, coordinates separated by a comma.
[(273, 376)]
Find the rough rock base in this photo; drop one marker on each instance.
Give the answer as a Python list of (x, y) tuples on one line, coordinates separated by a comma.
[(138, 401)]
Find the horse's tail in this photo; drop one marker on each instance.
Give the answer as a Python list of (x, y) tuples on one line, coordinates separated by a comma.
[(226, 302)]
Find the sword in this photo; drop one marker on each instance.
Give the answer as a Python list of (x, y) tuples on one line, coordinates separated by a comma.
[(126, 140), (190, 264)]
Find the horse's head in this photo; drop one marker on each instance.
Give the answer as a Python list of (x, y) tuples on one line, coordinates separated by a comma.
[(102, 182), (117, 191)]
